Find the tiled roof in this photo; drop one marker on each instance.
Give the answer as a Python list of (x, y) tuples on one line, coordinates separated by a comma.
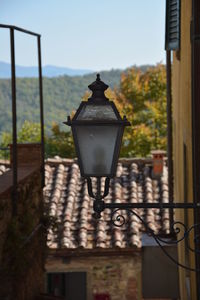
[(67, 199)]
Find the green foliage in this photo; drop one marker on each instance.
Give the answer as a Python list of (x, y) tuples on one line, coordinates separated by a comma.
[(29, 132), (141, 96), (61, 95), (59, 143)]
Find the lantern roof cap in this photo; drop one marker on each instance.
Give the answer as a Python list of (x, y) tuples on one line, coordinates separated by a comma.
[(98, 88)]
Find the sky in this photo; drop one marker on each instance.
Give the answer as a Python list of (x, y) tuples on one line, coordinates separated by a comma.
[(86, 34)]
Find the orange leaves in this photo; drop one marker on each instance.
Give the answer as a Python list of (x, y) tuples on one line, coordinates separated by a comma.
[(142, 97)]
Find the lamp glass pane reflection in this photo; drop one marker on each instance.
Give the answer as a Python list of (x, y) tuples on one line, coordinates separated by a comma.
[(96, 147), (97, 112)]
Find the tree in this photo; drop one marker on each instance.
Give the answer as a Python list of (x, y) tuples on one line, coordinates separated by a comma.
[(59, 143), (142, 97), (29, 132)]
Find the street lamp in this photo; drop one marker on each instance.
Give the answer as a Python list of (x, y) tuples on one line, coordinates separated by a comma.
[(97, 129)]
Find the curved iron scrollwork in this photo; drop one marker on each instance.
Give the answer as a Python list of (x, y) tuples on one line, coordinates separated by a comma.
[(119, 220), (179, 230)]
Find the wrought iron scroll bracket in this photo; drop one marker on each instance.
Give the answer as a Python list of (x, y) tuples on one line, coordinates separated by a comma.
[(99, 204), (119, 220), (179, 229)]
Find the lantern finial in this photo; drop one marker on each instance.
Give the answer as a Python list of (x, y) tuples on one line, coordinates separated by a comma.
[(98, 88), (98, 77)]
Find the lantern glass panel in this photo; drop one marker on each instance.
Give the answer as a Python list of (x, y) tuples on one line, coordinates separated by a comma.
[(96, 146), (97, 112)]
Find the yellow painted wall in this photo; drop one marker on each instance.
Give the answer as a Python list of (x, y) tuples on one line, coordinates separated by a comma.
[(182, 134)]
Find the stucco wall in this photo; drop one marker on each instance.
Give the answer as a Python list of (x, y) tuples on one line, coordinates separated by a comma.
[(182, 134), (118, 276)]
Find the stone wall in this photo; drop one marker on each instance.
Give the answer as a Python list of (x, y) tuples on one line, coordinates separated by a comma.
[(21, 255), (118, 276)]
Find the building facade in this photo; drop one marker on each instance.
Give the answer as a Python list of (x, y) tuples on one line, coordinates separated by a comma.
[(106, 261), (182, 45)]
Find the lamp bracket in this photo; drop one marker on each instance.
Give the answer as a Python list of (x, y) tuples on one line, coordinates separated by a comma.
[(121, 216)]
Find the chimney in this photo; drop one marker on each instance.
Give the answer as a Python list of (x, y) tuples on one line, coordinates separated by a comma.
[(29, 154), (158, 163)]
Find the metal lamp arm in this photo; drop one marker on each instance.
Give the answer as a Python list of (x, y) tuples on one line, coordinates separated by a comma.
[(118, 219), (98, 196)]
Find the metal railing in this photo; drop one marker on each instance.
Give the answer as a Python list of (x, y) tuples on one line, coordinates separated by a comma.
[(12, 30)]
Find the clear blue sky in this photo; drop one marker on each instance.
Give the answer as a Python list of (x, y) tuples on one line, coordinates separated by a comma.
[(87, 34)]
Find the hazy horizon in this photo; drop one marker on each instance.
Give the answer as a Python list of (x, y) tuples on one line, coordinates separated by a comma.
[(53, 71), (65, 66)]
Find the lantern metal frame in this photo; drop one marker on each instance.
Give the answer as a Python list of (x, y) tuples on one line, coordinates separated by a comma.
[(117, 217), (117, 146), (120, 122)]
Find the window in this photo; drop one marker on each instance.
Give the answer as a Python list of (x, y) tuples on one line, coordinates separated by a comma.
[(172, 33), (56, 284), (70, 285)]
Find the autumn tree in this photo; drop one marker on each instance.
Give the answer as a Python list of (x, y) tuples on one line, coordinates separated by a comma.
[(142, 97)]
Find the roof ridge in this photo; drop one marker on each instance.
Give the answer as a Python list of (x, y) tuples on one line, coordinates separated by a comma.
[(123, 160)]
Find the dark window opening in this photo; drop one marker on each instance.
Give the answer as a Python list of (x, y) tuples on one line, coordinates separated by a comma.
[(70, 285)]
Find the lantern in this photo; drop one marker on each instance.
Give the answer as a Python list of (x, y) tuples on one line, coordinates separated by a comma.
[(97, 129)]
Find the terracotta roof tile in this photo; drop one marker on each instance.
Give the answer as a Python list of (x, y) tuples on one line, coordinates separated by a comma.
[(67, 199)]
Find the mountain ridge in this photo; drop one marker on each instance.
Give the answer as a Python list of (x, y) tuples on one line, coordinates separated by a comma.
[(47, 71), (61, 95)]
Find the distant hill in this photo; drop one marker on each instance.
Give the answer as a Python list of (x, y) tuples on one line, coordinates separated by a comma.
[(48, 71), (61, 95)]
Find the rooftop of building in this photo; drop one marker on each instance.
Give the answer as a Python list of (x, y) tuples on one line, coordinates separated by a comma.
[(67, 199)]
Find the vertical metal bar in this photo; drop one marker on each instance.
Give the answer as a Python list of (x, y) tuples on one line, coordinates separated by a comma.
[(14, 122), (98, 188), (41, 107), (98, 204), (195, 31), (169, 134)]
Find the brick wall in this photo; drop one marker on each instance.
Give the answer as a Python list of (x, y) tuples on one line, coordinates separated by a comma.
[(27, 154), (118, 276), (22, 258)]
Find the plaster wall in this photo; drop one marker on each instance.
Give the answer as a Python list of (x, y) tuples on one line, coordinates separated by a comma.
[(182, 140)]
